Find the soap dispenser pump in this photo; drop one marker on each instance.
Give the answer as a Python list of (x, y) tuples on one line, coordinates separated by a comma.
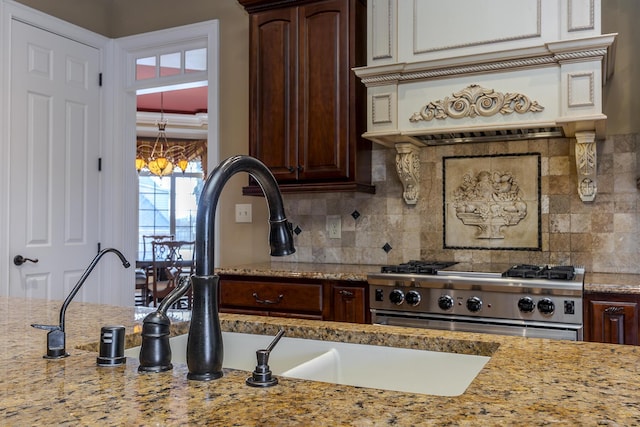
[(262, 375)]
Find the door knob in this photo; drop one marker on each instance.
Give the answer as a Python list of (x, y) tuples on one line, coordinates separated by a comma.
[(19, 260)]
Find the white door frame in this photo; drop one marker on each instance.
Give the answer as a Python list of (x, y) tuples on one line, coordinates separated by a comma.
[(127, 49), (118, 208), (9, 11)]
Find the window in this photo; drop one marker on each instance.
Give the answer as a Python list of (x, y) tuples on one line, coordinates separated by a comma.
[(174, 63), (168, 206)]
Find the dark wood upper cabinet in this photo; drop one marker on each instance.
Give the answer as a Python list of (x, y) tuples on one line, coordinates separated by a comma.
[(307, 107)]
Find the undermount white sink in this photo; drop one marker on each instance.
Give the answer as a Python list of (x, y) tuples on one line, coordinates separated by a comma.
[(387, 368)]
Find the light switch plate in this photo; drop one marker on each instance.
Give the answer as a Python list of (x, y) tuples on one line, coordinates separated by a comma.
[(243, 212)]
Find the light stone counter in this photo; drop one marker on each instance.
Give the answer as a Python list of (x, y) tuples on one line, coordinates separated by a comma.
[(527, 381)]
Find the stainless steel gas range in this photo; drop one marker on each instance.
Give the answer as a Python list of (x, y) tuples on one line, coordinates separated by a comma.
[(521, 300)]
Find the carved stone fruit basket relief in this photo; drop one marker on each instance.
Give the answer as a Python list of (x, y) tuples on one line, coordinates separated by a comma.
[(492, 202)]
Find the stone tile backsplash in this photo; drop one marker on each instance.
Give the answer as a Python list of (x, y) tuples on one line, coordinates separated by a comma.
[(603, 236)]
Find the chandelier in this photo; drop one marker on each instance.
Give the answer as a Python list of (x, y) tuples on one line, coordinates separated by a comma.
[(164, 157)]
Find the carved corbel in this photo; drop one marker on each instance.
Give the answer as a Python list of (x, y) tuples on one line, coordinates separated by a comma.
[(408, 167), (586, 163)]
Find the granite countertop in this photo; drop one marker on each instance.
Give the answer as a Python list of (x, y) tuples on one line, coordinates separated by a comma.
[(594, 282), (527, 381), (303, 270), (616, 283)]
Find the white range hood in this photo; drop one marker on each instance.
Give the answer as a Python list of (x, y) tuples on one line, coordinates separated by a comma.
[(485, 70)]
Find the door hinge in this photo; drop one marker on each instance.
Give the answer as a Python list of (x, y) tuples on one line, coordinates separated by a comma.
[(100, 79), (99, 164)]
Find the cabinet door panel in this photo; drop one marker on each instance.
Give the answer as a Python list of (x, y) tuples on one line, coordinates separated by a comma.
[(349, 304), (323, 88), (613, 322), (273, 98)]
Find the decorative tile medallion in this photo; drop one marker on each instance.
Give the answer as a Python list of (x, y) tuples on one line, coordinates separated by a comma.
[(492, 202)]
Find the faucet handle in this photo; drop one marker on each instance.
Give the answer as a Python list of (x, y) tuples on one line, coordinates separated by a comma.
[(274, 342), (46, 327), (55, 341), (262, 375)]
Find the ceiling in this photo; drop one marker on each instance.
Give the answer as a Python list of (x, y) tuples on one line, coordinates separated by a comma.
[(184, 101)]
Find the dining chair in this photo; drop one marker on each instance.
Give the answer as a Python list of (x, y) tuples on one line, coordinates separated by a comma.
[(146, 240), (172, 259), (142, 295)]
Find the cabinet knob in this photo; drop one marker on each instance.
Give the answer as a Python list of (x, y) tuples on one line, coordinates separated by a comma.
[(291, 169), (613, 310), (346, 293)]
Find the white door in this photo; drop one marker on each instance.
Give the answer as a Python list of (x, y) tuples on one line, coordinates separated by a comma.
[(54, 152)]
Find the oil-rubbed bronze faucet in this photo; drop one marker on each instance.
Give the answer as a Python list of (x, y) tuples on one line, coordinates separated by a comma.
[(56, 335), (204, 343)]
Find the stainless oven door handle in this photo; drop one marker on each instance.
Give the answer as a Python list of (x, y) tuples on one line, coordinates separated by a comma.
[(567, 332)]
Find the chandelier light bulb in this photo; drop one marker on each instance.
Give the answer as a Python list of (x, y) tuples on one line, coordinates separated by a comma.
[(162, 162), (182, 164), (140, 163)]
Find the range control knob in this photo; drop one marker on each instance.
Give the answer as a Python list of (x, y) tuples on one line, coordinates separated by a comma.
[(546, 306), (445, 302), (396, 296), (412, 298), (474, 304), (526, 304)]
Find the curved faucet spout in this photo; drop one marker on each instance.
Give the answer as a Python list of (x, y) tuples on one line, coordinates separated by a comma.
[(86, 273), (56, 335), (204, 344), (280, 237)]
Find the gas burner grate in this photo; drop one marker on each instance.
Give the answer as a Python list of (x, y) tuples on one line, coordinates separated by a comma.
[(562, 272), (523, 270), (417, 267)]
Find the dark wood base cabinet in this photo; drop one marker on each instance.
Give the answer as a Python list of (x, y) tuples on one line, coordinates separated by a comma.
[(611, 318), (340, 301), (349, 304)]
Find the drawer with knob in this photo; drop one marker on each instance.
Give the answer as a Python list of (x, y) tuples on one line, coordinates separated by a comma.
[(272, 298)]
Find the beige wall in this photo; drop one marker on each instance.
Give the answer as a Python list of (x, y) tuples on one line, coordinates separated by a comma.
[(622, 93), (94, 15)]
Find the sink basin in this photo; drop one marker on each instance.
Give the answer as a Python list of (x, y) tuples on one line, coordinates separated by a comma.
[(387, 368)]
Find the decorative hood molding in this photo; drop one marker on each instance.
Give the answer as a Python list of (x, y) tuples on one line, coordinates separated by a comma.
[(473, 101), (538, 76)]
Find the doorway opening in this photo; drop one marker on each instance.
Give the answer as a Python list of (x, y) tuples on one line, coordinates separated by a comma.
[(173, 77)]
